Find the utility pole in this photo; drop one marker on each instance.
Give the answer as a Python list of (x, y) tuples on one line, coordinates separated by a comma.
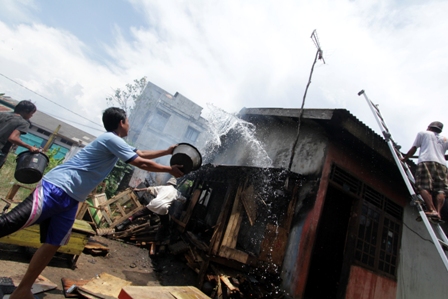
[(318, 56), (51, 139)]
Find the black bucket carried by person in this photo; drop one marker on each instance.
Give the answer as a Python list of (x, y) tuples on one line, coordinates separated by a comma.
[(30, 167), (187, 155)]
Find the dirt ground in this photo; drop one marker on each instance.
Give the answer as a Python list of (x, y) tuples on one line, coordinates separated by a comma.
[(125, 261)]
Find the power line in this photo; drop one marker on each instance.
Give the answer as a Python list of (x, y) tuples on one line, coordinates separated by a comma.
[(64, 119), (48, 99)]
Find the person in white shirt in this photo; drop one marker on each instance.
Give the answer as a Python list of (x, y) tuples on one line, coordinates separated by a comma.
[(164, 197), (431, 174)]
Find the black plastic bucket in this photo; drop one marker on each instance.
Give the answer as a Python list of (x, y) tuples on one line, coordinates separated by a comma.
[(187, 155), (30, 167)]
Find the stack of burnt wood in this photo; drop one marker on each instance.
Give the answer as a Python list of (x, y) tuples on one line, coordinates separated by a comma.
[(106, 214), (225, 278), (140, 232)]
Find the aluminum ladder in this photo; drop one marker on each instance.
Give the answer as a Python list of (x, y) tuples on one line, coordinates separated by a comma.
[(434, 229)]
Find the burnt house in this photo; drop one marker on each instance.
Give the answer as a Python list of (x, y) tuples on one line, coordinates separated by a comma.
[(337, 224)]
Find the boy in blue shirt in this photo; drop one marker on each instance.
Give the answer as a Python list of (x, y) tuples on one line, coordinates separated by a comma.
[(54, 202)]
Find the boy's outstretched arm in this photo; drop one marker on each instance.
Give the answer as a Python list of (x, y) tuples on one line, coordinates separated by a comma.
[(150, 165), (152, 154)]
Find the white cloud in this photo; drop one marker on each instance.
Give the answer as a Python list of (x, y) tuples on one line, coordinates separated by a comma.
[(238, 54), (18, 10), (53, 64)]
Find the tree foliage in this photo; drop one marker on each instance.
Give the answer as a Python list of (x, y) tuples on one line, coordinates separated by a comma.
[(125, 98), (113, 179), (53, 162)]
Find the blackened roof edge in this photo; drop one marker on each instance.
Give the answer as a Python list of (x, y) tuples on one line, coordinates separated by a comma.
[(339, 117)]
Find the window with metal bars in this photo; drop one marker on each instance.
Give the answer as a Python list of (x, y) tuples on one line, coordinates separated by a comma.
[(379, 225)]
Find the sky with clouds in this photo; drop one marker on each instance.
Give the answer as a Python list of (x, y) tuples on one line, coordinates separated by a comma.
[(232, 54)]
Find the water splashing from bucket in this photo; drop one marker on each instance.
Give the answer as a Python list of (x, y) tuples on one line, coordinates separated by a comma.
[(228, 127)]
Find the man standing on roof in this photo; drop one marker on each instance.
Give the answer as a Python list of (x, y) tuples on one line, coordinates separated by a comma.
[(160, 205), (14, 124), (431, 176), (54, 202)]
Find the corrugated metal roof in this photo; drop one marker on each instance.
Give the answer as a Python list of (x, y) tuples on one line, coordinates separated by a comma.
[(330, 118)]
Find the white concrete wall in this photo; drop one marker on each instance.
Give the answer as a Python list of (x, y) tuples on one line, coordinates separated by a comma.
[(421, 273)]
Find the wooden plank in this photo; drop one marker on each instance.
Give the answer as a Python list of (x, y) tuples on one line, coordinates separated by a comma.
[(51, 139), (227, 282), (120, 208), (234, 254), (83, 227), (178, 222), (117, 203), (106, 284), (203, 270), (233, 225), (82, 209), (195, 241), (91, 295), (119, 220), (96, 209), (42, 284), (106, 216), (216, 239), (12, 192), (274, 244), (248, 199), (194, 200), (160, 292), (67, 283), (117, 198), (134, 199), (183, 295), (30, 237)]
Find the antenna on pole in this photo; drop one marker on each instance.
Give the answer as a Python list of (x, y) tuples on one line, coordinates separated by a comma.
[(315, 39), (319, 55)]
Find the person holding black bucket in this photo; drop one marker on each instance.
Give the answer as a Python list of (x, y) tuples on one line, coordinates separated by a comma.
[(14, 124), (54, 202)]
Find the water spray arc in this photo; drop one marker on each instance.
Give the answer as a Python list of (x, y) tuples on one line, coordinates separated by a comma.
[(318, 56)]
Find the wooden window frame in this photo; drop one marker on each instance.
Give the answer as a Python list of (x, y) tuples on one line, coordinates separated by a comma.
[(379, 253)]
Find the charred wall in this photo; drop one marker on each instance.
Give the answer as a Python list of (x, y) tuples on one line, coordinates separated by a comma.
[(242, 212)]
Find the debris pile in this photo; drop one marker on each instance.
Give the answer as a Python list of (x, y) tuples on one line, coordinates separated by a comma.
[(232, 231)]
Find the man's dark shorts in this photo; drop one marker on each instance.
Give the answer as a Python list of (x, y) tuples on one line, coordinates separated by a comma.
[(431, 176)]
